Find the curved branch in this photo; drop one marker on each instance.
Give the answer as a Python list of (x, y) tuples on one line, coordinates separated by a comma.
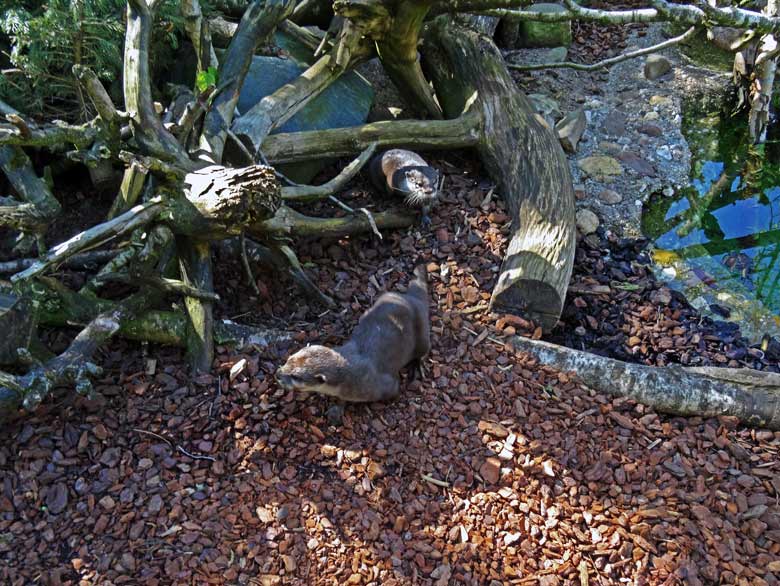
[(147, 126), (71, 367), (314, 192)]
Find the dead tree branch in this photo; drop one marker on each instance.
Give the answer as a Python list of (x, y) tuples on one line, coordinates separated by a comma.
[(605, 63)]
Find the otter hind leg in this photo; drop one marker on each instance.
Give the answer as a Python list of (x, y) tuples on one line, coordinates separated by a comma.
[(389, 388)]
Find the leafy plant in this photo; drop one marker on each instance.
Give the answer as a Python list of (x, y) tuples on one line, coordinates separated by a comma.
[(206, 79), (42, 42)]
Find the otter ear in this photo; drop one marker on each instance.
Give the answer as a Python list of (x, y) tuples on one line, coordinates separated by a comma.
[(321, 378)]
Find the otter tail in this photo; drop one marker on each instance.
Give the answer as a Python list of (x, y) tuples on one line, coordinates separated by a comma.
[(419, 286)]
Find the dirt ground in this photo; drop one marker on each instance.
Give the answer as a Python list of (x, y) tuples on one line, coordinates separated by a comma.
[(490, 471)]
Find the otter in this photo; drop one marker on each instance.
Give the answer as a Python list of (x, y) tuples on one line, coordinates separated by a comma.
[(392, 334), (404, 173)]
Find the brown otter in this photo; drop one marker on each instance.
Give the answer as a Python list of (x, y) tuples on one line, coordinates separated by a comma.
[(402, 172), (393, 334)]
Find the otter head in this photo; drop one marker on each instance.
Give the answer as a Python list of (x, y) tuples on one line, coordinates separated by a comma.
[(419, 184), (314, 369)]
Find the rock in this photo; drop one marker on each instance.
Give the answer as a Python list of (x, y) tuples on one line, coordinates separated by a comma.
[(346, 102), (650, 130), (57, 498), (652, 116), (664, 152), (610, 197), (545, 105), (442, 575), (571, 128), (587, 222), (609, 147), (637, 163), (155, 504), (615, 123), (335, 415), (661, 297), (545, 34), (663, 101), (490, 470), (721, 310), (723, 37), (289, 563), (128, 562), (600, 167), (557, 55), (656, 66)]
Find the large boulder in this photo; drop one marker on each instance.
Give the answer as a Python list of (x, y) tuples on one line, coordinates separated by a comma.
[(345, 103)]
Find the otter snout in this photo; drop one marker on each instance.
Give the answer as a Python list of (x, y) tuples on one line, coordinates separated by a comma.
[(285, 380)]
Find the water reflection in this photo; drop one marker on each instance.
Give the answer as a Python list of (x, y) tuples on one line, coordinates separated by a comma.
[(719, 239)]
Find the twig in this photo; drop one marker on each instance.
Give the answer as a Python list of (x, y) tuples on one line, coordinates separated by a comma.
[(341, 204), (247, 268), (371, 221), (161, 283), (195, 456), (434, 481), (158, 436), (607, 62)]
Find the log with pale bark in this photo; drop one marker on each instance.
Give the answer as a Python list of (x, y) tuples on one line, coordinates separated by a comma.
[(749, 395)]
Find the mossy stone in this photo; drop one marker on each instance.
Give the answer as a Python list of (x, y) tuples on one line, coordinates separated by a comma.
[(545, 34)]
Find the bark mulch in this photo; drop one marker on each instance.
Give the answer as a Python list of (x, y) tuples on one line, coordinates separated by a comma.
[(492, 470)]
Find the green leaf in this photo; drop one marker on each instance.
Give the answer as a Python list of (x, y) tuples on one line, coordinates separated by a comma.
[(206, 79)]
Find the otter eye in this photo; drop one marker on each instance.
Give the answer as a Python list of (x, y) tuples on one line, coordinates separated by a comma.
[(321, 379)]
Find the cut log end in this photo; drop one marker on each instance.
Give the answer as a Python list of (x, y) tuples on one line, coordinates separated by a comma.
[(537, 300)]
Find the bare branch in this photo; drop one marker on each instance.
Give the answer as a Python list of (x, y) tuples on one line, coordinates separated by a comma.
[(198, 30), (312, 192), (100, 234), (608, 62), (97, 93), (147, 127), (462, 132)]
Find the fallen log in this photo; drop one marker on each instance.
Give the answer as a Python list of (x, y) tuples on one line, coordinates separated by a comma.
[(751, 396), (524, 157)]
